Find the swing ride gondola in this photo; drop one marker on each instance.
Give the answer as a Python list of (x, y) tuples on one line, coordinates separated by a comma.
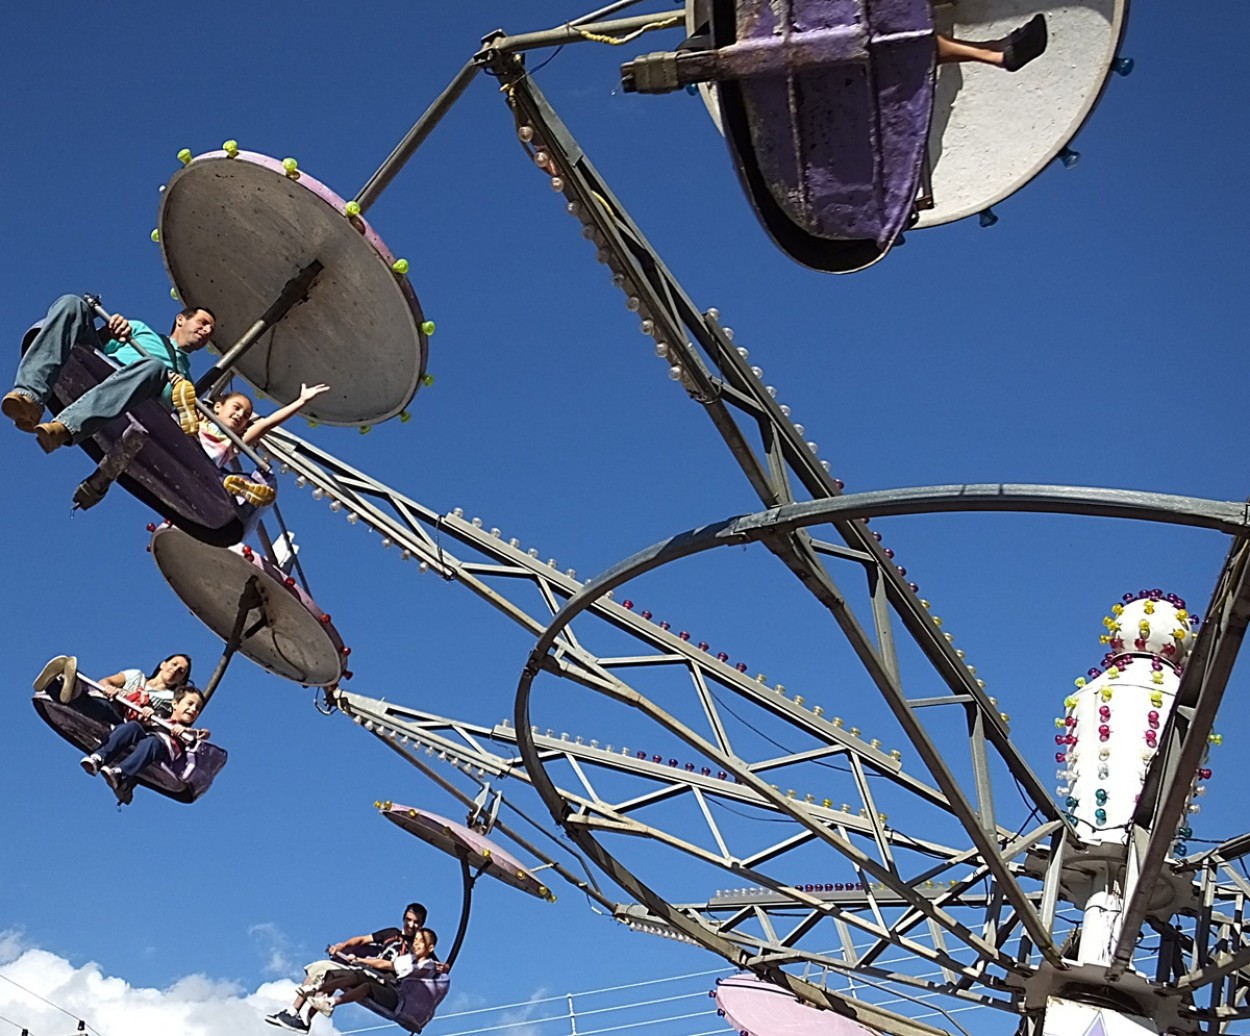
[(292, 272), (80, 711), (845, 133)]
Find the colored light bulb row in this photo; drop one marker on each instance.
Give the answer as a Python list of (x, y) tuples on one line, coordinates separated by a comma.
[(929, 885), (405, 739), (1151, 595), (1068, 723), (685, 635), (629, 605), (1114, 673), (771, 390), (705, 771)]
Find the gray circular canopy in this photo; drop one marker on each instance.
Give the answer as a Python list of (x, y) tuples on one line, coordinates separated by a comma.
[(295, 638), (234, 230)]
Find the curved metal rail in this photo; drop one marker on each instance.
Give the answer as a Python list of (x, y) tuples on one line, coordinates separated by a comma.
[(1201, 689)]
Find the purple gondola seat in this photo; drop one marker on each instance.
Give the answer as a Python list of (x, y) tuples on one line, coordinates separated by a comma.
[(419, 997), (827, 117), (419, 993), (86, 721), (170, 473)]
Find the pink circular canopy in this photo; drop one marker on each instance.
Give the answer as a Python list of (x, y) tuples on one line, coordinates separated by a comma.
[(456, 839), (758, 1008)]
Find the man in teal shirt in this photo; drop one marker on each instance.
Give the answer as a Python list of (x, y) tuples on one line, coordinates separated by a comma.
[(164, 372)]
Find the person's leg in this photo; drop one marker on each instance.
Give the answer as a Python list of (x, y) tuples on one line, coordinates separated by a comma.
[(69, 322), (150, 749), (355, 993), (321, 997), (120, 392), (298, 1017), (297, 1004), (385, 996), (345, 979), (950, 50), (1012, 53), (255, 491), (316, 975), (1025, 43), (121, 739), (371, 989)]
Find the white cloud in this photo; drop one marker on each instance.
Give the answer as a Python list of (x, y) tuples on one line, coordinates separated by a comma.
[(10, 945), (195, 1005), (276, 947), (35, 985), (519, 1018)]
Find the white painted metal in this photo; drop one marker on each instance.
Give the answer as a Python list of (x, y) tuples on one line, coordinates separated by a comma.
[(1066, 1018), (994, 131), (1117, 718), (1100, 926)]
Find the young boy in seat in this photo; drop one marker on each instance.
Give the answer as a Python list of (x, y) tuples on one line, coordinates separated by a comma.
[(138, 745)]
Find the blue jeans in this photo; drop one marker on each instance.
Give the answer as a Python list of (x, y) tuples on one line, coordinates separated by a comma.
[(69, 323), (143, 746)]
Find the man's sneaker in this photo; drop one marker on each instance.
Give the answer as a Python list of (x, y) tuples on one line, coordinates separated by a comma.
[(22, 409), (52, 436), (253, 492), (91, 764), (183, 393), (287, 1020), (120, 783)]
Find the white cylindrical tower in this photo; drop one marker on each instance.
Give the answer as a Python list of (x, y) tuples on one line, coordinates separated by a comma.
[(1110, 730)]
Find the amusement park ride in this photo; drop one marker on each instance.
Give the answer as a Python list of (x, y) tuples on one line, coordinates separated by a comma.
[(844, 136)]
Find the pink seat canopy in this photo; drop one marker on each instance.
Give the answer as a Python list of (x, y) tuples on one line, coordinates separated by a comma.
[(457, 839), (758, 1008)]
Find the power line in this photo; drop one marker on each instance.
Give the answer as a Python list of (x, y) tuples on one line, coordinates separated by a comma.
[(82, 1025), (571, 1013)]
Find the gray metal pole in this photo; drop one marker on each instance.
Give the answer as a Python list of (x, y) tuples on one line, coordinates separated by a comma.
[(421, 129), (433, 115), (248, 600), (294, 290)]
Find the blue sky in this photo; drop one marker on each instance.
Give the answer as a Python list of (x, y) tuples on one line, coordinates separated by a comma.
[(1093, 337)]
